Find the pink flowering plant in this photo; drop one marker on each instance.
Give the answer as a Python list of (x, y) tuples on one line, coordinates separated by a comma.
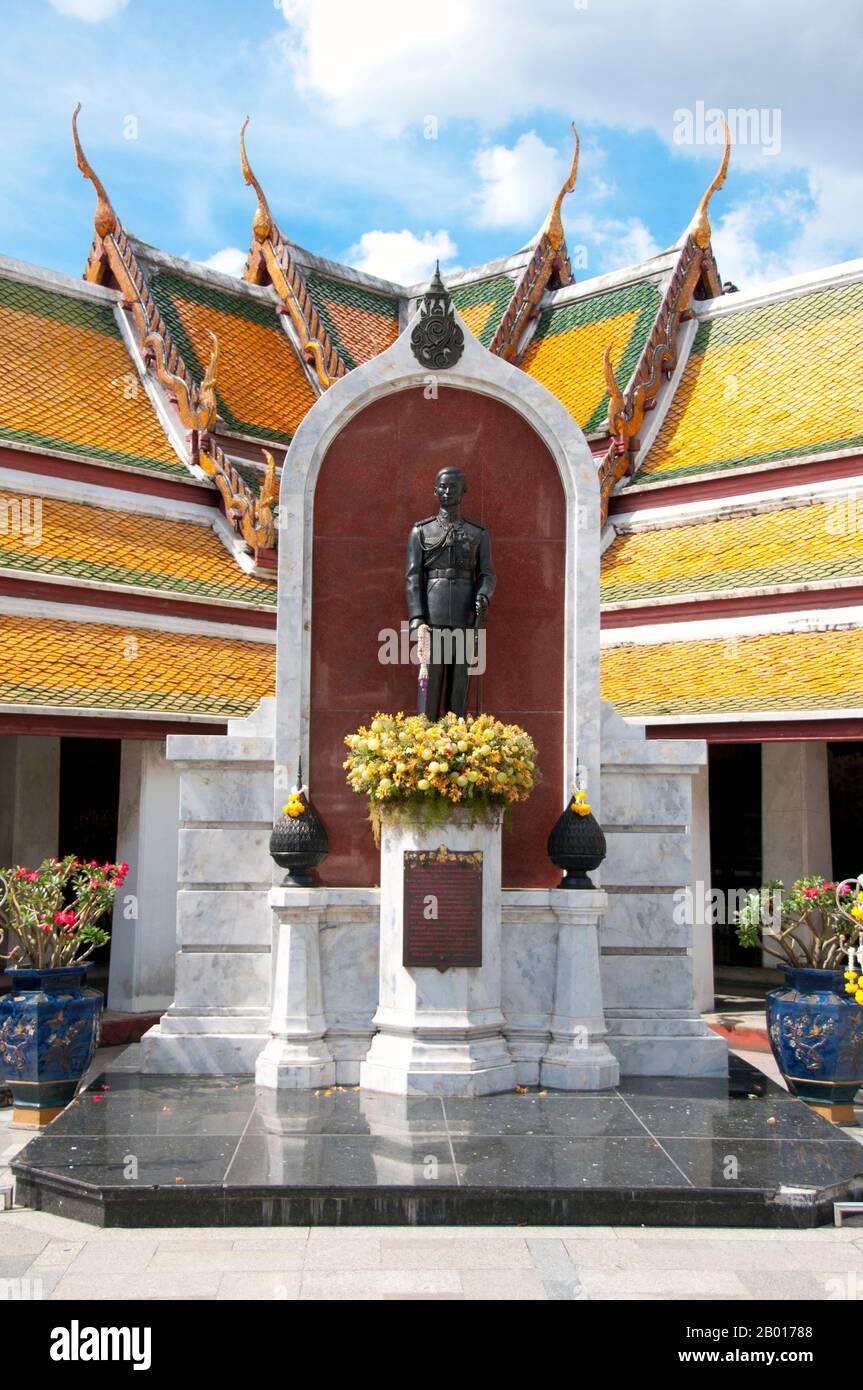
[(802, 926), (53, 916)]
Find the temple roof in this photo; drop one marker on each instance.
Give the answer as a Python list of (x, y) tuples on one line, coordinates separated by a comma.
[(53, 662), (174, 373), (262, 388), (802, 542), (577, 324), (766, 672), (130, 550), (769, 377), (69, 382)]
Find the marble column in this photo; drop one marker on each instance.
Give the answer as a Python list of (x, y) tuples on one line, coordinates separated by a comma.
[(144, 927), (578, 1058), (29, 798), (795, 811), (297, 1056)]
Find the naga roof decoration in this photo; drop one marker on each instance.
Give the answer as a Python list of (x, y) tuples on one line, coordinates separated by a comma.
[(270, 262), (695, 268), (550, 260), (112, 255)]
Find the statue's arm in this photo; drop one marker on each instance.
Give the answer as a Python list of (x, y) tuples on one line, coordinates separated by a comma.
[(485, 567), (415, 590)]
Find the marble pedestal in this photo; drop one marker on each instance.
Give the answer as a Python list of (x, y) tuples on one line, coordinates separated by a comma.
[(439, 1032), (577, 1057), (297, 1056)]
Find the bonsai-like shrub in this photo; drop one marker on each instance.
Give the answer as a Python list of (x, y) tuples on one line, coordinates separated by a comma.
[(803, 925), (52, 916)]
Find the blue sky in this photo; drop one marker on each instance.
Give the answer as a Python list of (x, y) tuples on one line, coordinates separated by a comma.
[(343, 95)]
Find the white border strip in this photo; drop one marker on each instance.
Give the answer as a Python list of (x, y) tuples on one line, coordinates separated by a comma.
[(745, 625)]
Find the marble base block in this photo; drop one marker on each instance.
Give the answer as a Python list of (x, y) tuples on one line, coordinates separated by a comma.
[(439, 1032), (297, 1056), (577, 1057)]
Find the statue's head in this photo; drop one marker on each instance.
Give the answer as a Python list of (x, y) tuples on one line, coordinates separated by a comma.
[(450, 486)]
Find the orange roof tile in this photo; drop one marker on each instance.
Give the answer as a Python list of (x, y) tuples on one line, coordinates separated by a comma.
[(772, 671), (59, 663), (786, 545), (72, 540), (765, 383), (567, 350), (69, 383), (262, 388)]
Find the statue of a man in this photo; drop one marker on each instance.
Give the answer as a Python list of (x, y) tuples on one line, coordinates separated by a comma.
[(449, 580)]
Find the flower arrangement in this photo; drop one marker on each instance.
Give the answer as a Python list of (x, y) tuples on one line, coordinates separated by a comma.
[(423, 768), (52, 915), (579, 803), (294, 806), (807, 924)]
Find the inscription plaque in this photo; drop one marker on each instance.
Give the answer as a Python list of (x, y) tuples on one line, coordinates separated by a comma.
[(442, 908)]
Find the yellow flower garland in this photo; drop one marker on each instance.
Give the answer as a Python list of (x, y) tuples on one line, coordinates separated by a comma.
[(410, 759)]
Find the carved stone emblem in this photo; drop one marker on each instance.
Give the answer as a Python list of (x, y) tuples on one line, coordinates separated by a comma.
[(437, 342)]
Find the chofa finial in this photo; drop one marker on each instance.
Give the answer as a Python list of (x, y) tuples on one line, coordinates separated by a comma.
[(105, 220), (699, 227), (616, 403), (553, 226), (262, 223)]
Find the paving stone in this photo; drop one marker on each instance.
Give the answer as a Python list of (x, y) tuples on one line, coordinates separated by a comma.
[(454, 1254), (160, 1285), (344, 1255), (223, 1261), (503, 1284), (604, 1283), (371, 1283), (254, 1286), (126, 1257)]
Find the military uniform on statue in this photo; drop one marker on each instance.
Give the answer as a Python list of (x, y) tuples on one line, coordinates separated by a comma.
[(449, 580)]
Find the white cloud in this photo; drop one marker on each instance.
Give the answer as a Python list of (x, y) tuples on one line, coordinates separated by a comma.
[(91, 11), (518, 184), (401, 256), (391, 64), (609, 242), (230, 261)]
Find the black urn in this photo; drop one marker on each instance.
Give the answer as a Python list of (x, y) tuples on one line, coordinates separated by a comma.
[(299, 843), (576, 845)]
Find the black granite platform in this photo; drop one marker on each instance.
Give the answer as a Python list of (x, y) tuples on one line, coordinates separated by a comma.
[(162, 1151)]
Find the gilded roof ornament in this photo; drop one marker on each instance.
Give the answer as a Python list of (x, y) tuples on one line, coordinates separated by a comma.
[(207, 395), (699, 227), (553, 226), (270, 486), (262, 223), (105, 220), (616, 403)]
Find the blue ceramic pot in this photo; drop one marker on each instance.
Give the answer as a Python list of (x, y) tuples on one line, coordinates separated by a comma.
[(49, 1031), (816, 1033)]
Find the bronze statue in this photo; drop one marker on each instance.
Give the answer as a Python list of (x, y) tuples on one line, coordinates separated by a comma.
[(449, 580)]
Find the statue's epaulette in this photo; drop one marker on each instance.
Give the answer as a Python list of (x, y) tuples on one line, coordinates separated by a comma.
[(425, 521), (478, 524)]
